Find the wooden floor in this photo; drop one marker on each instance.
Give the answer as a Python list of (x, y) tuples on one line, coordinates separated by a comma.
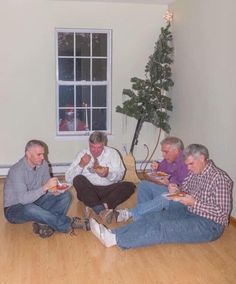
[(28, 259)]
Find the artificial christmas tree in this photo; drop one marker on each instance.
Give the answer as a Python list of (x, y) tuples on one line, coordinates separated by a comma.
[(148, 100)]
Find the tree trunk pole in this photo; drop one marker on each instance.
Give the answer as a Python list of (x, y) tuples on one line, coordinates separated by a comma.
[(136, 134)]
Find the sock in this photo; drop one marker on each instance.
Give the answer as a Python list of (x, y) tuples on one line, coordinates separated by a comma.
[(98, 208)]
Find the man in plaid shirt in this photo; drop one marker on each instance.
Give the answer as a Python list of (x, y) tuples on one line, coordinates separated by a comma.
[(200, 214)]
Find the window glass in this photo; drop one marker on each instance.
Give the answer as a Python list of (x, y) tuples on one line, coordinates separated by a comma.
[(99, 45), (99, 69), (65, 44), (82, 44), (99, 96)]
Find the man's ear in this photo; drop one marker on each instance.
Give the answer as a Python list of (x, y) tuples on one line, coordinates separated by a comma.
[(202, 158), (27, 154)]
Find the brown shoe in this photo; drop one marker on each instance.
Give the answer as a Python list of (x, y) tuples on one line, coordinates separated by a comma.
[(106, 215), (78, 223)]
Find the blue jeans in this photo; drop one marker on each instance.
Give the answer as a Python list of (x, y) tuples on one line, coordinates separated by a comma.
[(174, 225), (48, 209), (150, 199)]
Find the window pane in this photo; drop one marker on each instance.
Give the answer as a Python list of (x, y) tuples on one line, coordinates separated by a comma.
[(99, 44), (80, 120), (99, 69), (82, 69), (66, 69), (99, 96), (82, 96), (65, 44), (83, 44), (66, 96), (83, 119), (99, 119)]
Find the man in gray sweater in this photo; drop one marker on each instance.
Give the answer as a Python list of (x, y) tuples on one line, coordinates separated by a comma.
[(27, 195)]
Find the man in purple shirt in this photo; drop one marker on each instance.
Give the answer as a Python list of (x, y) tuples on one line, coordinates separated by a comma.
[(149, 193)]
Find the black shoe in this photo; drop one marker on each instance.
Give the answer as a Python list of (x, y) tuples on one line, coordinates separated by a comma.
[(43, 230), (77, 223)]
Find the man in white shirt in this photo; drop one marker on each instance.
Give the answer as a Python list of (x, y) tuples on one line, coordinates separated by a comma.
[(96, 174)]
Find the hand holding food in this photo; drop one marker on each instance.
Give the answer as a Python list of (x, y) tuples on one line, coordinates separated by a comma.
[(52, 182), (164, 179), (154, 166), (172, 188), (101, 171), (59, 188), (187, 200)]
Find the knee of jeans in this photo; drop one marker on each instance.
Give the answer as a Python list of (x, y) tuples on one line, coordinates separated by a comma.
[(30, 207), (143, 183)]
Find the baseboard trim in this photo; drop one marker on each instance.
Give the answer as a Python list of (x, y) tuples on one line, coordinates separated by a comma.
[(58, 168)]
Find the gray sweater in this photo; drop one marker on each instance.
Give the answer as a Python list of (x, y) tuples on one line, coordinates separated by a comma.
[(24, 184)]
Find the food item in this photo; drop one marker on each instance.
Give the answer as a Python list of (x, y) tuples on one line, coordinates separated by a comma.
[(98, 167), (163, 174), (176, 194), (61, 186)]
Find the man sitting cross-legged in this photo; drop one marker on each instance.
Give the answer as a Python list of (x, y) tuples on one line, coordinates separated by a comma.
[(97, 174), (148, 193), (202, 218), (27, 196)]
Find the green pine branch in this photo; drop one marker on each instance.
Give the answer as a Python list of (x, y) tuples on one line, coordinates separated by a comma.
[(147, 100)]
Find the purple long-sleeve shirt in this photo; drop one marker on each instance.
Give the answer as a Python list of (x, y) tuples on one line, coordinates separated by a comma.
[(176, 170)]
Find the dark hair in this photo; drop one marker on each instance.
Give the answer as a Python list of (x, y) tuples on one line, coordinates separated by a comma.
[(196, 150), (33, 143), (98, 137), (173, 141)]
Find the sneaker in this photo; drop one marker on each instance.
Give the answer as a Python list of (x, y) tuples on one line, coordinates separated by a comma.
[(106, 215), (122, 215), (106, 237), (43, 230), (77, 223)]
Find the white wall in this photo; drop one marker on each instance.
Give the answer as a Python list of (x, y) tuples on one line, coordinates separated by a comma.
[(27, 81), (205, 78)]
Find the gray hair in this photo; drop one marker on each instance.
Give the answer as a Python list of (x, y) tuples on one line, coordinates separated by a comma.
[(173, 141), (196, 150), (33, 143), (98, 137)]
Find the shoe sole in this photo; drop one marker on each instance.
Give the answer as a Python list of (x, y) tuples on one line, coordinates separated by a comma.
[(35, 228), (46, 232)]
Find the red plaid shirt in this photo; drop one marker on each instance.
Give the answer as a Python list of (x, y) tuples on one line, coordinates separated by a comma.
[(212, 190)]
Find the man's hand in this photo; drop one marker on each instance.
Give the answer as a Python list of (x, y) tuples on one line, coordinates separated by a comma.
[(52, 182), (84, 160), (172, 188), (101, 171), (187, 200), (164, 180), (154, 166)]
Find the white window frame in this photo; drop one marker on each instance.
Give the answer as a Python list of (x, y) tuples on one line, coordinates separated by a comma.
[(75, 83)]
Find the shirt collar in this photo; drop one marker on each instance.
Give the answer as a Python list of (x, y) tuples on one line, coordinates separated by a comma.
[(28, 167), (207, 168)]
